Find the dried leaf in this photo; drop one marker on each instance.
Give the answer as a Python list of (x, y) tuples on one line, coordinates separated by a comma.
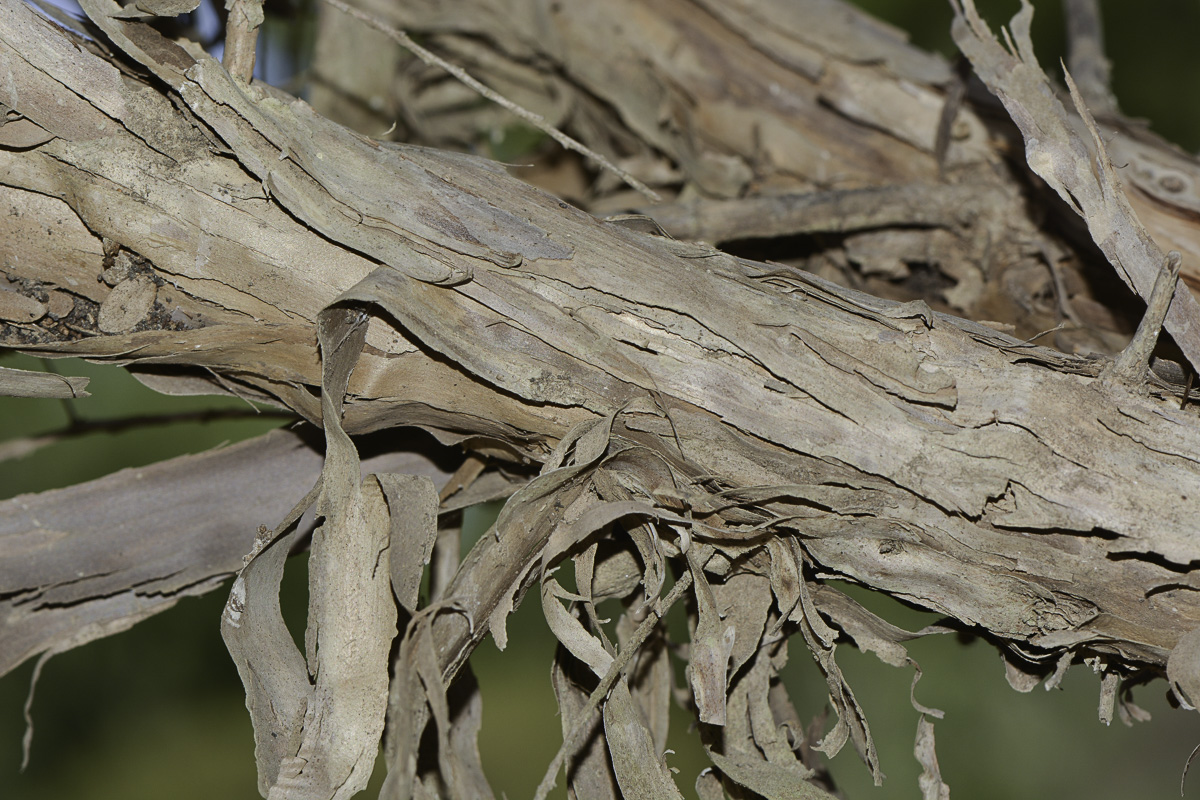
[(1183, 669), (270, 665), (1021, 675), (932, 786), (751, 733), (352, 614), (1129, 711), (852, 722), (1108, 695), (708, 656), (458, 754), (708, 786), (651, 678), (407, 712), (466, 708), (589, 769), (766, 779), (744, 600), (413, 507), (166, 8), (616, 574), (639, 767), (570, 633)]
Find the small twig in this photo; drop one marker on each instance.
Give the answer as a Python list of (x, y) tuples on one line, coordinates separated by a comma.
[(27, 739), (1065, 309), (537, 120), (1186, 767), (1062, 326), (1134, 360), (956, 92), (1085, 56), (615, 671), (464, 476), (81, 426), (444, 561), (18, 448), (241, 38), (67, 405)]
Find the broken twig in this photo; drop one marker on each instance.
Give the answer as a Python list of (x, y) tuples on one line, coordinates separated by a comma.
[(536, 120)]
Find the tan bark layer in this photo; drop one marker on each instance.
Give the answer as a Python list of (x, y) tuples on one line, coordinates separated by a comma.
[(753, 426)]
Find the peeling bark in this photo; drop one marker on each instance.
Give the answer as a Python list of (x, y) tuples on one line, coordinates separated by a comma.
[(753, 426)]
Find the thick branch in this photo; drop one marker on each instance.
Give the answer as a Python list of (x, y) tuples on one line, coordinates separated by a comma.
[(969, 453), (758, 427), (901, 446), (94, 559)]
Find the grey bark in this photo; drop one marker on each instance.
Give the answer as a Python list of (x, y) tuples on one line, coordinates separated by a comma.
[(757, 426)]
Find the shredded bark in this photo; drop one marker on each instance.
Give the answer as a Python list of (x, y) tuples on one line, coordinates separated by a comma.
[(674, 422)]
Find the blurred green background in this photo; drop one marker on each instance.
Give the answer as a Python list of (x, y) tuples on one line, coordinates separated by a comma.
[(158, 711)]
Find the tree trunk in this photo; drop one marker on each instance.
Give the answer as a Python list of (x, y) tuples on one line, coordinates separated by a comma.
[(746, 430)]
